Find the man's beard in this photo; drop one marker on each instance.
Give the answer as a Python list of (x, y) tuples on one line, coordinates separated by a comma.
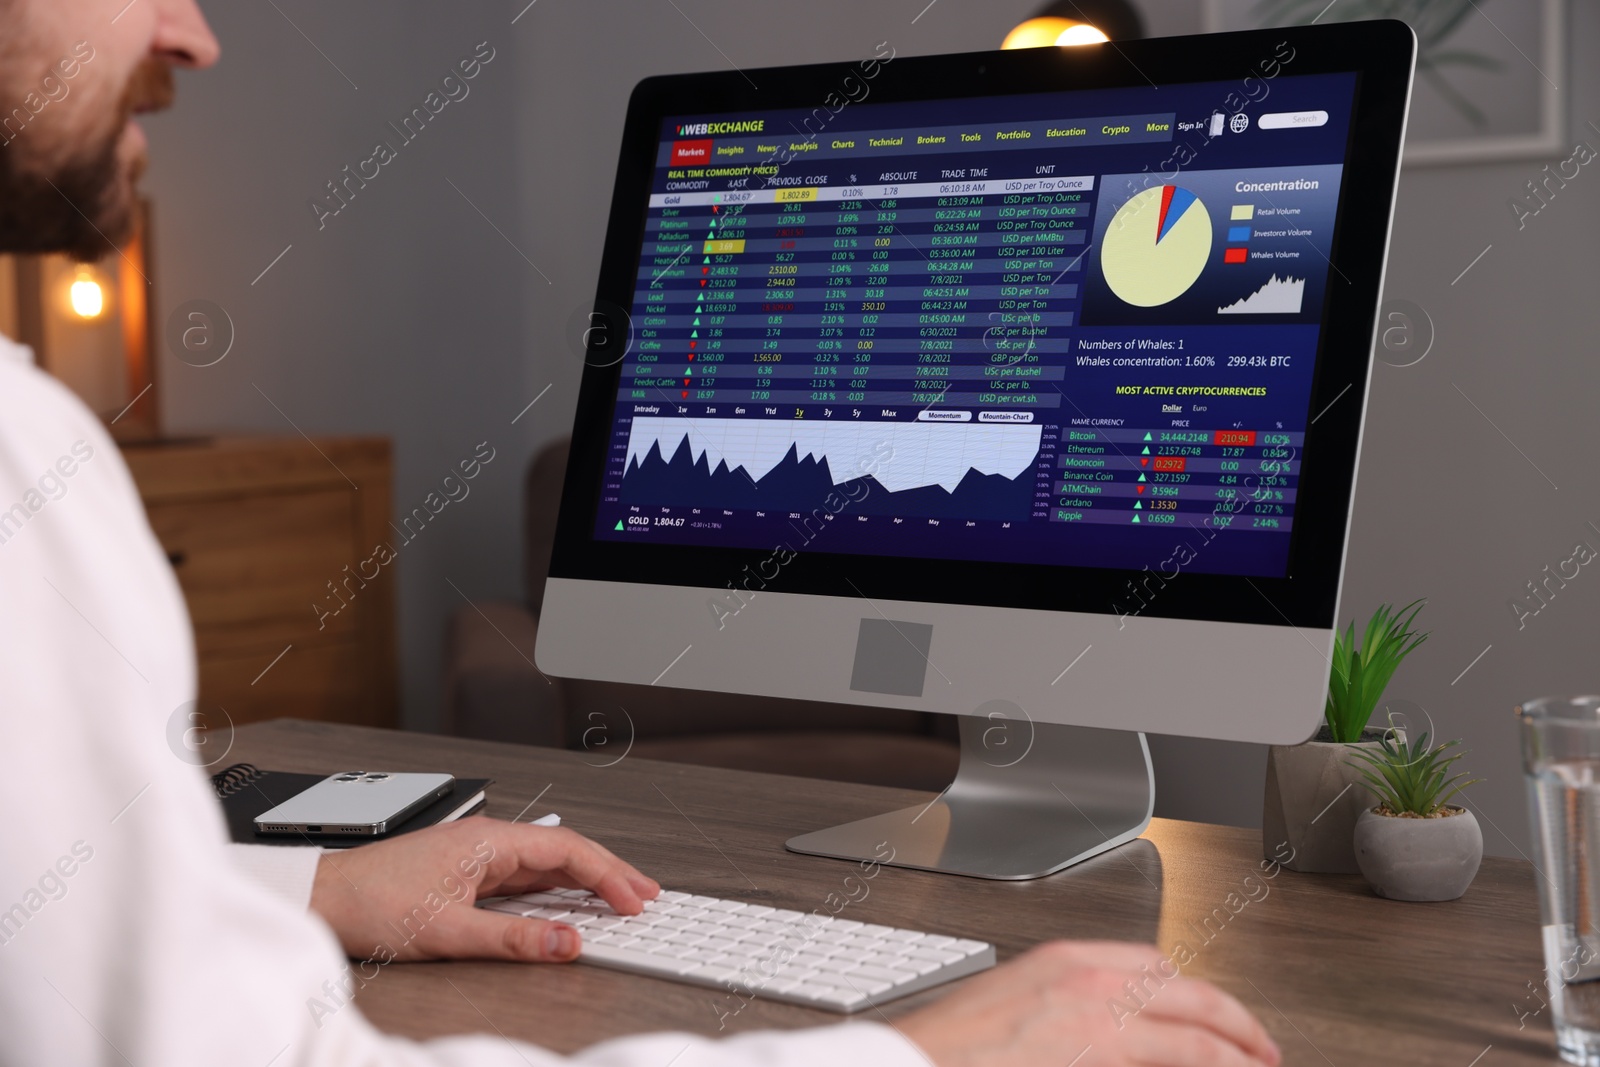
[(85, 205)]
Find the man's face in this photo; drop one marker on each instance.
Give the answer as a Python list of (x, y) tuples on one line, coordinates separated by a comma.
[(73, 74)]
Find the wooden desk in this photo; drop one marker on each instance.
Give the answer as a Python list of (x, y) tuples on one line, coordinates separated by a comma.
[(1338, 975)]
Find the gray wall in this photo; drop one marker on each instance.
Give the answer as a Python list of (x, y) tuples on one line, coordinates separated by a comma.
[(403, 315), (1453, 503), (410, 316)]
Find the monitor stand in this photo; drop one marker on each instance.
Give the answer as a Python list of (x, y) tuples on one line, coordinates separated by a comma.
[(1028, 800)]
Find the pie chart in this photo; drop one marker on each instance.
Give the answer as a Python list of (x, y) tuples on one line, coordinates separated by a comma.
[(1156, 246)]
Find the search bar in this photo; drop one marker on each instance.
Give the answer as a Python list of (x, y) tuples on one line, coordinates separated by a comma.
[(1292, 120)]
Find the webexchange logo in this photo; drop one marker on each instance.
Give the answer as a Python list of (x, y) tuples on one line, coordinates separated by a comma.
[(703, 129)]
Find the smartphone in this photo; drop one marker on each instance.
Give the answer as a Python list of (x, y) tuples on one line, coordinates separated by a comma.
[(355, 802)]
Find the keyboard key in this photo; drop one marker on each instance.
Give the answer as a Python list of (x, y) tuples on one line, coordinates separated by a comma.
[(882, 974), (860, 984), (810, 961), (841, 999), (937, 955), (684, 938), (673, 949), (921, 967), (785, 983), (818, 948), (903, 935), (765, 940), (967, 948), (756, 911), (834, 937), (670, 897), (657, 946), (837, 964), (898, 948), (875, 930), (891, 961), (642, 961), (936, 941), (718, 973)]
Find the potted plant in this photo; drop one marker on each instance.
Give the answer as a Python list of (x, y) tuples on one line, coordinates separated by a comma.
[(1312, 795), (1415, 845)]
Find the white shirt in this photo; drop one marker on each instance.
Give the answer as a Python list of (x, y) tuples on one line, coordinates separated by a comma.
[(128, 934)]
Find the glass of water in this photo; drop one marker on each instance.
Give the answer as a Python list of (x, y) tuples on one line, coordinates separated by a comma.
[(1561, 764)]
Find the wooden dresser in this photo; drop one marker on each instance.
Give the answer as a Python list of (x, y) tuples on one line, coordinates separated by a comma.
[(257, 529)]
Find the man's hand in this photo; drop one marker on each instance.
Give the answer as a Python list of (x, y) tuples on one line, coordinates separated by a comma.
[(411, 898), (1053, 1004)]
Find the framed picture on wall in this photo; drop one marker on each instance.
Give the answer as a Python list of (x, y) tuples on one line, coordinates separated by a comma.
[(89, 325), (1491, 74)]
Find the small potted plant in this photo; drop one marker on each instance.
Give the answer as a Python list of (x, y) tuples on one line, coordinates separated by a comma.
[(1312, 795), (1415, 845)]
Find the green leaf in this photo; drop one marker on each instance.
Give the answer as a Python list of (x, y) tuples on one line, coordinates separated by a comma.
[(1359, 675), (1408, 776)]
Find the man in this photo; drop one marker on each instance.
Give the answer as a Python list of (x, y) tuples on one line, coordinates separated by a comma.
[(129, 932)]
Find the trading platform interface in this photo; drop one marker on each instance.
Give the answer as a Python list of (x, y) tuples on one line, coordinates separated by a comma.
[(1067, 329)]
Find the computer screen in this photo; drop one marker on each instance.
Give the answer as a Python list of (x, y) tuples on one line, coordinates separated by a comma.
[(1029, 377), (1067, 328)]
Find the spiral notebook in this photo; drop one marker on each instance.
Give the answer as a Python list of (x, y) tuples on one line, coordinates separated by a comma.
[(246, 791)]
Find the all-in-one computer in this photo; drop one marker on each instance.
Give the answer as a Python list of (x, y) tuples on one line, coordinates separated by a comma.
[(1026, 387)]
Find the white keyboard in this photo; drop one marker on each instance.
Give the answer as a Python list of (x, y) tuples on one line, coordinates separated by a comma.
[(823, 962)]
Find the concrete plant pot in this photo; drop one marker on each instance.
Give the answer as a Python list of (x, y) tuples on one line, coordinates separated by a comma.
[(1313, 799), (1406, 858)]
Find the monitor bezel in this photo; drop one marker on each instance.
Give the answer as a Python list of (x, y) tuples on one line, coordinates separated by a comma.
[(1379, 53)]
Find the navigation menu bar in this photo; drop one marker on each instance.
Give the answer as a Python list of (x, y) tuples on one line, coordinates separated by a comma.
[(983, 137)]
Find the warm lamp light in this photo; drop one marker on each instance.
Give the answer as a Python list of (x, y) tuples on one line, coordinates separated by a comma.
[(1075, 22), (1037, 33), (1082, 33), (1041, 33), (88, 298)]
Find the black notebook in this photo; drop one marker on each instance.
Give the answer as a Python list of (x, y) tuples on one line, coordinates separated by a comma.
[(246, 792)]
